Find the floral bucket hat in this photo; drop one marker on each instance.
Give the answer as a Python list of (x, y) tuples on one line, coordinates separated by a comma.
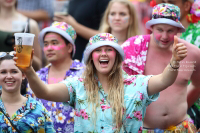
[(63, 29), (102, 39), (196, 8), (166, 14)]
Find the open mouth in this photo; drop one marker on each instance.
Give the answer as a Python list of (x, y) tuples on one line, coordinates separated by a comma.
[(9, 82), (165, 42), (104, 62)]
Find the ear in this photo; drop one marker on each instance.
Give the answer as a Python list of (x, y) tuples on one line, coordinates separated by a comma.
[(23, 76), (187, 6), (70, 47)]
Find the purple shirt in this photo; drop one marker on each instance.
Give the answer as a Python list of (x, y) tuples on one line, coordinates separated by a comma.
[(61, 115)]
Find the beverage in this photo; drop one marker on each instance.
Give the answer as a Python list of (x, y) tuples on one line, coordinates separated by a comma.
[(23, 44), (61, 13), (24, 57)]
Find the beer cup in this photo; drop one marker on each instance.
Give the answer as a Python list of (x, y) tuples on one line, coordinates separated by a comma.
[(61, 7), (23, 44)]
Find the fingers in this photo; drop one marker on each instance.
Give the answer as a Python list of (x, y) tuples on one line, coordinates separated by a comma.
[(175, 40)]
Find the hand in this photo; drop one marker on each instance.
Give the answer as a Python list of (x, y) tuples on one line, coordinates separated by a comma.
[(23, 69), (179, 51), (68, 19)]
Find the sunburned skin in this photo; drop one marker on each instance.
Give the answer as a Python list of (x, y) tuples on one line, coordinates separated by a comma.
[(54, 80), (55, 47)]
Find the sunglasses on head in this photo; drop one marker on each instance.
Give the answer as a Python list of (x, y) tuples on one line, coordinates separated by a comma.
[(3, 54)]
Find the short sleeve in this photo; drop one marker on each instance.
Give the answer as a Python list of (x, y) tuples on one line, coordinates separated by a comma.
[(71, 84), (142, 81)]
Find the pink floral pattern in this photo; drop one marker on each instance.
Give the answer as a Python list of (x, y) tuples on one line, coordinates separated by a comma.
[(135, 50), (136, 100)]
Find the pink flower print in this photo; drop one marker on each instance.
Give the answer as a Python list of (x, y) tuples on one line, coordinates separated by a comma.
[(102, 101), (128, 117), (82, 112), (77, 113), (71, 90), (129, 80), (173, 14), (141, 96), (85, 117), (80, 79), (139, 117), (136, 113), (140, 130), (104, 107)]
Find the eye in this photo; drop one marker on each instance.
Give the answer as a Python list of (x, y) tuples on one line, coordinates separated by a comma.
[(97, 50), (160, 30), (55, 42), (14, 71), (170, 31), (3, 72), (109, 49), (112, 13), (123, 14)]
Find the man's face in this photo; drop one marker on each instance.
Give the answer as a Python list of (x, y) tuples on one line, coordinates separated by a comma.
[(163, 35), (180, 4)]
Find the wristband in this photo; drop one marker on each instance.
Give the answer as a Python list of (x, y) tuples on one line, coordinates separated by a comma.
[(173, 67)]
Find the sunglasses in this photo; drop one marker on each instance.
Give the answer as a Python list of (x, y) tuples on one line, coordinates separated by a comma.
[(3, 54)]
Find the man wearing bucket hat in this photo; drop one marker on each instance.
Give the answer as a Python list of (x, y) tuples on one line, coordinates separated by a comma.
[(59, 48), (190, 17), (148, 54), (104, 101)]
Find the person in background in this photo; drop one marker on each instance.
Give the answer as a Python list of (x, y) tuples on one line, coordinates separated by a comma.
[(18, 113), (148, 54), (190, 18), (85, 17), (40, 10), (59, 49), (104, 101), (120, 19), (11, 22)]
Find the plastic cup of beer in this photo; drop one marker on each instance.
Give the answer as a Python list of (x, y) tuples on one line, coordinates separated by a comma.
[(61, 7), (23, 44)]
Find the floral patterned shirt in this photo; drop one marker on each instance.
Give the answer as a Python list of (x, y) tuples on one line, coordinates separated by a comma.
[(135, 49), (192, 34), (61, 115), (136, 100), (32, 117)]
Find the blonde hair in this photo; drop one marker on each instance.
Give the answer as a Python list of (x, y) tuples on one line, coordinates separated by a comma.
[(133, 28), (115, 94)]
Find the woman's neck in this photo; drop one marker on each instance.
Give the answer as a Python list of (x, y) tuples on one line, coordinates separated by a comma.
[(7, 13), (12, 98), (121, 36), (103, 79)]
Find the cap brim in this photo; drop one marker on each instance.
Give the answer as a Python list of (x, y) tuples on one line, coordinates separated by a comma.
[(98, 44), (164, 21), (59, 31)]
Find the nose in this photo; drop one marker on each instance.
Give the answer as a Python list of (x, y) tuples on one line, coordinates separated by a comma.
[(103, 52), (164, 35), (117, 16), (9, 75)]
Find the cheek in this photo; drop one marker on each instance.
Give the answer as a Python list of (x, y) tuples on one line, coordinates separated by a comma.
[(171, 37), (157, 36), (112, 54), (125, 20), (110, 19), (58, 47), (95, 56)]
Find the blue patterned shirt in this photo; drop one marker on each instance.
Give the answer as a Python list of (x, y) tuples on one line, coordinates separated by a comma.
[(61, 115), (135, 97), (32, 117)]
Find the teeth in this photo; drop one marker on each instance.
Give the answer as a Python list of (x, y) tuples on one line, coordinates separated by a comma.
[(103, 60), (9, 82)]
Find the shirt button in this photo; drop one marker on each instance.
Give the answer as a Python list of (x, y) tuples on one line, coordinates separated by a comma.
[(102, 127)]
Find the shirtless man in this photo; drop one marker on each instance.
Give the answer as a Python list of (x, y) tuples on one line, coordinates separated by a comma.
[(149, 54)]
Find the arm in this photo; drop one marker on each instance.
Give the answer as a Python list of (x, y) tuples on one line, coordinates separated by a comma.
[(162, 81), (52, 92), (80, 29), (37, 15), (37, 59), (193, 89)]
